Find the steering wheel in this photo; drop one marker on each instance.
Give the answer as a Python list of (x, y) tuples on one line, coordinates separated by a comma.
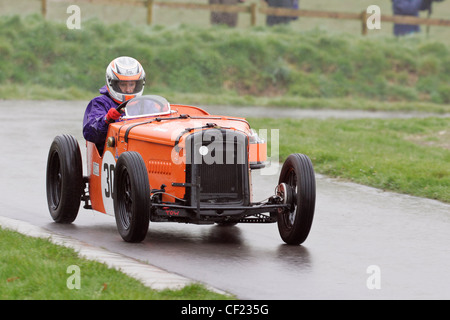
[(122, 105)]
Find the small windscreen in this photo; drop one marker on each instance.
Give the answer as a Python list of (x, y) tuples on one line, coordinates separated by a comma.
[(150, 105)]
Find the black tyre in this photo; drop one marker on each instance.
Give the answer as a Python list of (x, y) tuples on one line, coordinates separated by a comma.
[(294, 223), (131, 197), (64, 179)]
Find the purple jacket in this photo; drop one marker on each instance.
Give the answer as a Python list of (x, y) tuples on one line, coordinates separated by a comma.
[(95, 127), (406, 8)]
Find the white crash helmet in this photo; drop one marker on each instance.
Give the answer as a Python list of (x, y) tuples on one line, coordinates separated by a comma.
[(124, 69)]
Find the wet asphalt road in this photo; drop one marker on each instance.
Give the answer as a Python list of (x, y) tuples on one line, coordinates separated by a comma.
[(364, 243)]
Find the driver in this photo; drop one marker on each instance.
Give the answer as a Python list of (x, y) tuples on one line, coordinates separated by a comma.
[(125, 79)]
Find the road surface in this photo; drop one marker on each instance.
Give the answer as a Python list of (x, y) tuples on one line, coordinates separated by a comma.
[(364, 243)]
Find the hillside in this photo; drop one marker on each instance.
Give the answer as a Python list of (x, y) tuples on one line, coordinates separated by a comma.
[(260, 61)]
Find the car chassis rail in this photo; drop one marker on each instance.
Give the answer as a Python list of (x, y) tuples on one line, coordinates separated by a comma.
[(207, 212)]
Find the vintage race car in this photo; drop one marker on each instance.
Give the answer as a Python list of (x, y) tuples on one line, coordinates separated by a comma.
[(177, 163)]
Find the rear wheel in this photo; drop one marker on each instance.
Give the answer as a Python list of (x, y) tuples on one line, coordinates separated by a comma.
[(298, 181), (131, 197), (64, 179)]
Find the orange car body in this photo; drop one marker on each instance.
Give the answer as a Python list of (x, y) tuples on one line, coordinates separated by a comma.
[(161, 141)]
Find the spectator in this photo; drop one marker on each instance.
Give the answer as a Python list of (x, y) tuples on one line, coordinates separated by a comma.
[(228, 18), (427, 6), (406, 8), (288, 4)]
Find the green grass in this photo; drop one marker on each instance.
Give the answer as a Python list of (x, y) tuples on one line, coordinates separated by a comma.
[(274, 66), (410, 156), (36, 269)]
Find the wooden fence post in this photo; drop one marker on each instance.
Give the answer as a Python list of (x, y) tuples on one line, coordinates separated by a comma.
[(44, 8), (364, 22), (253, 14), (149, 12)]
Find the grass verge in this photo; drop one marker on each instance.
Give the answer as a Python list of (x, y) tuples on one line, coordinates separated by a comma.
[(38, 92), (36, 269), (409, 156)]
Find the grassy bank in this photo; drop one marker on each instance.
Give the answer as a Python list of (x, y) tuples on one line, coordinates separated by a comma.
[(34, 268), (409, 156), (280, 65)]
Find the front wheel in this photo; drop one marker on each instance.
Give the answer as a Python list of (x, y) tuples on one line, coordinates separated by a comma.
[(131, 197), (298, 179)]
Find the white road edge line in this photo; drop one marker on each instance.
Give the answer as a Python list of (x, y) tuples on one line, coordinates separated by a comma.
[(150, 276)]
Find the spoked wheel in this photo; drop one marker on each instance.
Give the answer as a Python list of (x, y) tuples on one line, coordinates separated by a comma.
[(297, 185), (131, 197), (64, 179)]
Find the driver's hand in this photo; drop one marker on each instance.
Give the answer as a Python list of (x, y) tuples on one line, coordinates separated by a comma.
[(112, 115)]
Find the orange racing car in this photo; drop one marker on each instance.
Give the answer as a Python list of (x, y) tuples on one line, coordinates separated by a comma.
[(177, 163)]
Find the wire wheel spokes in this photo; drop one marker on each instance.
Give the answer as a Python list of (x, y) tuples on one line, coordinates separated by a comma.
[(289, 216)]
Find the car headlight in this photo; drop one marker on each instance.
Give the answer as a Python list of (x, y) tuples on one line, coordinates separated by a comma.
[(254, 137)]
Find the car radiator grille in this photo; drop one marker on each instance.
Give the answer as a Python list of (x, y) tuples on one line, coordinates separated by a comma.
[(219, 165), (220, 179)]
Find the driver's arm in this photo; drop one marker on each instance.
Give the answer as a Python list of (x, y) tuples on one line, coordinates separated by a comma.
[(95, 127)]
